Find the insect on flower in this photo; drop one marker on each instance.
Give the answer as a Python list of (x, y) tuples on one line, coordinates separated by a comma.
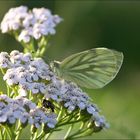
[(48, 104), (91, 69)]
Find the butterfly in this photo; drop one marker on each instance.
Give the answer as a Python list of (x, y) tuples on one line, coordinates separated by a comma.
[(91, 69)]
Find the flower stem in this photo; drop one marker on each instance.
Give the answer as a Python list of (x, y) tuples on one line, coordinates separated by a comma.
[(41, 135), (47, 136), (79, 132), (9, 132), (8, 90), (60, 113), (85, 133), (2, 71), (33, 130), (68, 132), (18, 131), (35, 136)]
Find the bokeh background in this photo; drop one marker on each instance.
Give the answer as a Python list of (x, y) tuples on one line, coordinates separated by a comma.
[(90, 24)]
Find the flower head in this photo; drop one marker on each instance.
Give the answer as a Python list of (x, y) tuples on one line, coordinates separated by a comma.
[(24, 110), (30, 74), (33, 23)]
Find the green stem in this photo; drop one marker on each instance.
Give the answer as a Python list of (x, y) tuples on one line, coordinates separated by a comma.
[(42, 46), (15, 92), (33, 131), (1, 132), (9, 132), (35, 136), (41, 135), (85, 133), (68, 132), (66, 119), (18, 131), (60, 113), (79, 132), (47, 136), (31, 46), (82, 125), (2, 71), (8, 90), (18, 134), (71, 122)]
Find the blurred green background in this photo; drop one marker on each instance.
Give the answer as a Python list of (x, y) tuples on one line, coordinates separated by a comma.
[(90, 24)]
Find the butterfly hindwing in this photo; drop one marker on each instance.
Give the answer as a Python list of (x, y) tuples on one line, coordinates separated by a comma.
[(92, 68)]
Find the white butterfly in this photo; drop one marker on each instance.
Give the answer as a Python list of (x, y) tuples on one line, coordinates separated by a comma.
[(90, 69)]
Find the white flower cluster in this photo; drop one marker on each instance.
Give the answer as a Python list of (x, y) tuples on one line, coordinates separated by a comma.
[(28, 73), (30, 23), (35, 75), (73, 97), (24, 110)]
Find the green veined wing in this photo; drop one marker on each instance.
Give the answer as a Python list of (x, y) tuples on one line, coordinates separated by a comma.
[(90, 69)]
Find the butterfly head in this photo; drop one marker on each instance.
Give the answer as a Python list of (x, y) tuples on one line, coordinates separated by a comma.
[(55, 66)]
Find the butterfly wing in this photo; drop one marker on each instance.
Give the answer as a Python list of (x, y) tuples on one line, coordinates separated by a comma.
[(92, 68)]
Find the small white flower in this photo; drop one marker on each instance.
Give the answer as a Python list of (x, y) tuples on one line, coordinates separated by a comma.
[(11, 119), (27, 57), (10, 78), (67, 104), (35, 88), (92, 109), (30, 104), (54, 97), (30, 120), (17, 114), (4, 27), (100, 121), (57, 19), (82, 105), (51, 125), (22, 92), (16, 59), (35, 77), (28, 21), (71, 108), (4, 60), (25, 35), (24, 117), (3, 118), (43, 88), (14, 53), (4, 64)]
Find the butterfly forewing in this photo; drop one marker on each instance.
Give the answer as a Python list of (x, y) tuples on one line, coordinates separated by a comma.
[(93, 68)]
